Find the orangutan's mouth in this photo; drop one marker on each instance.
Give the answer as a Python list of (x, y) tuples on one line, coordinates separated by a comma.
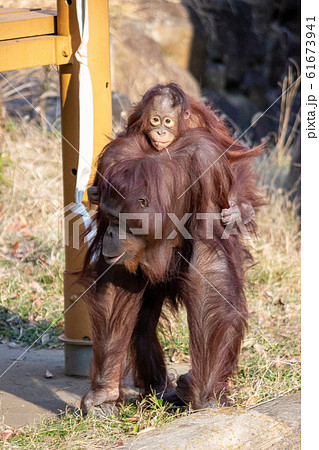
[(161, 144), (112, 259)]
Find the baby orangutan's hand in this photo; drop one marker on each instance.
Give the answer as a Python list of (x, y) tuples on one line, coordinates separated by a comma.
[(233, 215)]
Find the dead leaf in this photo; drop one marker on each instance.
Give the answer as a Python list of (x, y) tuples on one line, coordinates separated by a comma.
[(8, 433), (12, 345), (280, 363), (37, 301), (117, 444), (26, 232), (294, 360), (252, 400), (56, 346), (45, 338), (16, 252), (17, 225), (36, 287), (146, 430), (176, 357), (48, 374), (134, 419), (259, 349), (15, 247)]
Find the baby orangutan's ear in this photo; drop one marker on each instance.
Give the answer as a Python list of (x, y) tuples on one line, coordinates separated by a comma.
[(93, 195), (187, 114)]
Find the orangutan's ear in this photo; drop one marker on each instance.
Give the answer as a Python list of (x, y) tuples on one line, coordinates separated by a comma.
[(93, 195)]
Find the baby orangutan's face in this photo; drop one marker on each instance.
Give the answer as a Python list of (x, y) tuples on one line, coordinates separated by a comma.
[(163, 121)]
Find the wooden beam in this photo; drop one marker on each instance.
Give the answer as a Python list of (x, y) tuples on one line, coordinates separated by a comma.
[(26, 24), (13, 10), (35, 51)]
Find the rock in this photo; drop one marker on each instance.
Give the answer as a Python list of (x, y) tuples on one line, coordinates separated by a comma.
[(233, 37), (198, 54), (276, 55), (223, 428), (237, 108), (215, 77), (171, 28), (284, 408), (138, 61), (120, 107), (249, 46)]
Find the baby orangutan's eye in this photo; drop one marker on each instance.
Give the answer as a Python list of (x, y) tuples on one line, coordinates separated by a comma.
[(143, 202), (168, 122), (155, 120)]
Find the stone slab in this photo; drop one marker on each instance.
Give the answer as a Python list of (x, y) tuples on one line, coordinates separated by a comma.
[(284, 408), (225, 428)]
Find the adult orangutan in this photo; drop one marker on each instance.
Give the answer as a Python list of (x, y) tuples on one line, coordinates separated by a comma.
[(160, 239)]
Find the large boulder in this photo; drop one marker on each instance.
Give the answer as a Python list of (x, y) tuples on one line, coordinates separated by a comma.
[(218, 429), (149, 45)]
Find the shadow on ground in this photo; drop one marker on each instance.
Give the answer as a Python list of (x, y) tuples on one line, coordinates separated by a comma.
[(26, 395)]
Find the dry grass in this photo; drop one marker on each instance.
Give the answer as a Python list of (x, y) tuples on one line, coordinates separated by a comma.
[(270, 359), (287, 133), (31, 265)]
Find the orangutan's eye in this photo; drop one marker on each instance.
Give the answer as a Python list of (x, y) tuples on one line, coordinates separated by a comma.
[(113, 219), (155, 120), (143, 201), (169, 123)]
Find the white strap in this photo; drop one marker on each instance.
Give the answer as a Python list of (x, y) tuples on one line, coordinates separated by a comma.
[(86, 114)]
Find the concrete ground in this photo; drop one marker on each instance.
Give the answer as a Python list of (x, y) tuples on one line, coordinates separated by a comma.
[(27, 396)]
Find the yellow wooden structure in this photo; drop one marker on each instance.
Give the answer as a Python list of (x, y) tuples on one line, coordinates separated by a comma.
[(35, 37)]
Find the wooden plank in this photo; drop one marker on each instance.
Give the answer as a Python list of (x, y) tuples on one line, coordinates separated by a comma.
[(12, 10), (35, 51), (26, 24)]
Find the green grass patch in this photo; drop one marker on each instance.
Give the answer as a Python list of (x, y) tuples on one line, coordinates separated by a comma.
[(72, 431)]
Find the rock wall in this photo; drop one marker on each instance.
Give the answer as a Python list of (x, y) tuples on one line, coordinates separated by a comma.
[(250, 44)]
